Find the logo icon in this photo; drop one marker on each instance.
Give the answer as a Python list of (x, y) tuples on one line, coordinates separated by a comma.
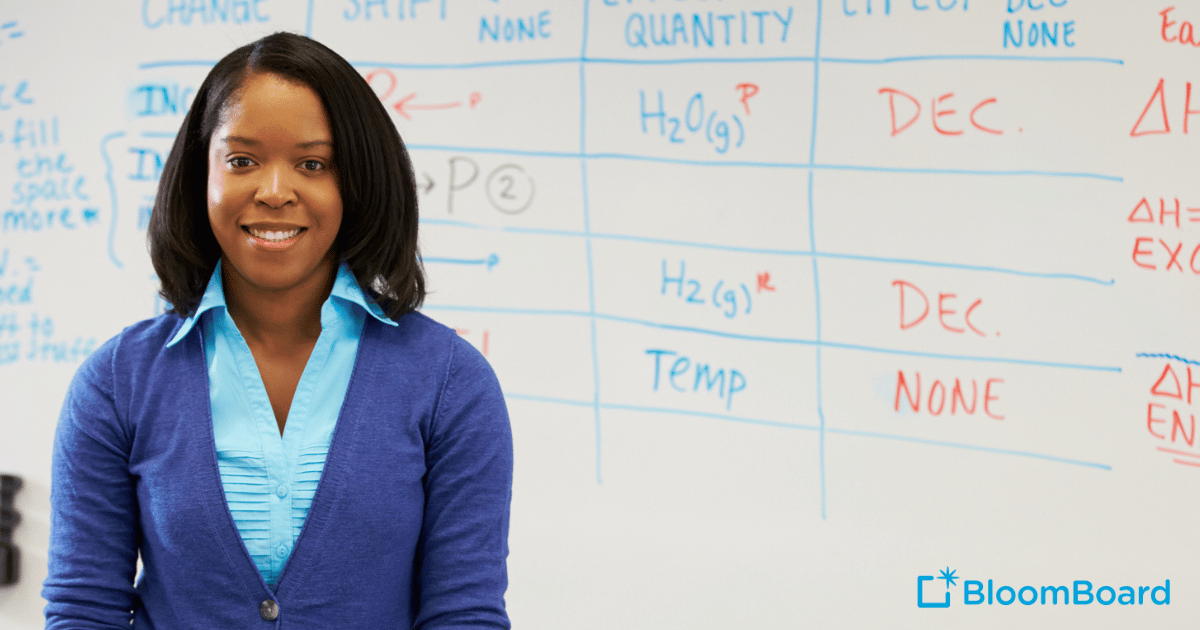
[(947, 575)]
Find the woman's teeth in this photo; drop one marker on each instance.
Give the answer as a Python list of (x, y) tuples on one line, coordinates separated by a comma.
[(274, 237)]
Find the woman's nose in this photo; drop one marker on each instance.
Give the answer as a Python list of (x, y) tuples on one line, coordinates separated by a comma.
[(275, 188)]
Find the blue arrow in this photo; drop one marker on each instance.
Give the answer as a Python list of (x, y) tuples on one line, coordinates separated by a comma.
[(491, 261)]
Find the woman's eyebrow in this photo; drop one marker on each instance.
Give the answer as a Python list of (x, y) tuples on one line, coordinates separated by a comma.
[(252, 142), (240, 140)]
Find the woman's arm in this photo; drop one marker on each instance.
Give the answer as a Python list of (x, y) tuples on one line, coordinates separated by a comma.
[(93, 507), (461, 557)]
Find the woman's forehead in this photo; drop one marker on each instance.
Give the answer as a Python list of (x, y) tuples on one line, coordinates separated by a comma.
[(270, 103)]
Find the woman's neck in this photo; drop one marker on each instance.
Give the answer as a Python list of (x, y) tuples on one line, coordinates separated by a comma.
[(278, 318)]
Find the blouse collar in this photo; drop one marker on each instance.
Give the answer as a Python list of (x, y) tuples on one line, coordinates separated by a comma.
[(345, 288)]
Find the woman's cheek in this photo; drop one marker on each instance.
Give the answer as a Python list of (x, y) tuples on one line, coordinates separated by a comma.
[(216, 187)]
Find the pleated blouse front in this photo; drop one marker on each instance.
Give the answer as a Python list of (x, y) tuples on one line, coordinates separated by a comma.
[(270, 479)]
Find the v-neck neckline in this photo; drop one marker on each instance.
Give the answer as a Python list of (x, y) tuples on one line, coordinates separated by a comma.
[(330, 480)]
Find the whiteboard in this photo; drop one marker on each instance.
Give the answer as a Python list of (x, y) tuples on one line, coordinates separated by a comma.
[(842, 313)]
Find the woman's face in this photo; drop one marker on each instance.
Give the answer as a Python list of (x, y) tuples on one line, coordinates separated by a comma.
[(273, 199)]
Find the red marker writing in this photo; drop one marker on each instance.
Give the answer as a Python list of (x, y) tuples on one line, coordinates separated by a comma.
[(748, 91), (764, 282)]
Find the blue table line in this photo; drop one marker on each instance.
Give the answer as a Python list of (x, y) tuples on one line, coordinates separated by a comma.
[(961, 357), (495, 150), (615, 237), (176, 63), (469, 65), (807, 427), (499, 310), (650, 240), (488, 261), (663, 410), (560, 155), (633, 157), (967, 171), (912, 58), (1165, 355), (675, 61), (812, 246), (966, 267), (678, 61), (586, 404), (973, 447), (587, 229), (767, 164), (768, 251), (705, 414)]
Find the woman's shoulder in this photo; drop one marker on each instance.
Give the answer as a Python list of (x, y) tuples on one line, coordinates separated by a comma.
[(112, 374), (420, 333), (148, 336), (140, 341), (442, 368), (419, 340)]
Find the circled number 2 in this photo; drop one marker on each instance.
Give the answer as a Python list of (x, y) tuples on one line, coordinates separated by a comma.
[(510, 189)]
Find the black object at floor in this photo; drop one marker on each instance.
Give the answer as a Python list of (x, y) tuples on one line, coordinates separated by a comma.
[(10, 556)]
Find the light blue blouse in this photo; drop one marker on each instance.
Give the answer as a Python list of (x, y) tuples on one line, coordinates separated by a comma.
[(269, 479)]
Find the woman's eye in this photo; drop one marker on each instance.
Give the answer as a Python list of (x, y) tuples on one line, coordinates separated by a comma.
[(240, 162), (312, 165)]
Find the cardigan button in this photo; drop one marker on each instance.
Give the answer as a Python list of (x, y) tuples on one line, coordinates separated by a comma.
[(269, 610)]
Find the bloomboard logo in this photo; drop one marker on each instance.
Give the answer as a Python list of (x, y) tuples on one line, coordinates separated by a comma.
[(1079, 593)]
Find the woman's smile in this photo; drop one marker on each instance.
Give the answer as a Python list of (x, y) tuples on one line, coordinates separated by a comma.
[(277, 239)]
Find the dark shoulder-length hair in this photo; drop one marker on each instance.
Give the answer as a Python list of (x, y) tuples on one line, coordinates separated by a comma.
[(378, 235)]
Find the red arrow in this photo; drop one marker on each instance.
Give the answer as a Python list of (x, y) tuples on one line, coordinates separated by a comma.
[(401, 105)]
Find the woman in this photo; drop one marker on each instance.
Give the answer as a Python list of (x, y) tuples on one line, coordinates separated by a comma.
[(292, 443)]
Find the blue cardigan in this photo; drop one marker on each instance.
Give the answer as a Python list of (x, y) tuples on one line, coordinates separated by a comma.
[(408, 528)]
